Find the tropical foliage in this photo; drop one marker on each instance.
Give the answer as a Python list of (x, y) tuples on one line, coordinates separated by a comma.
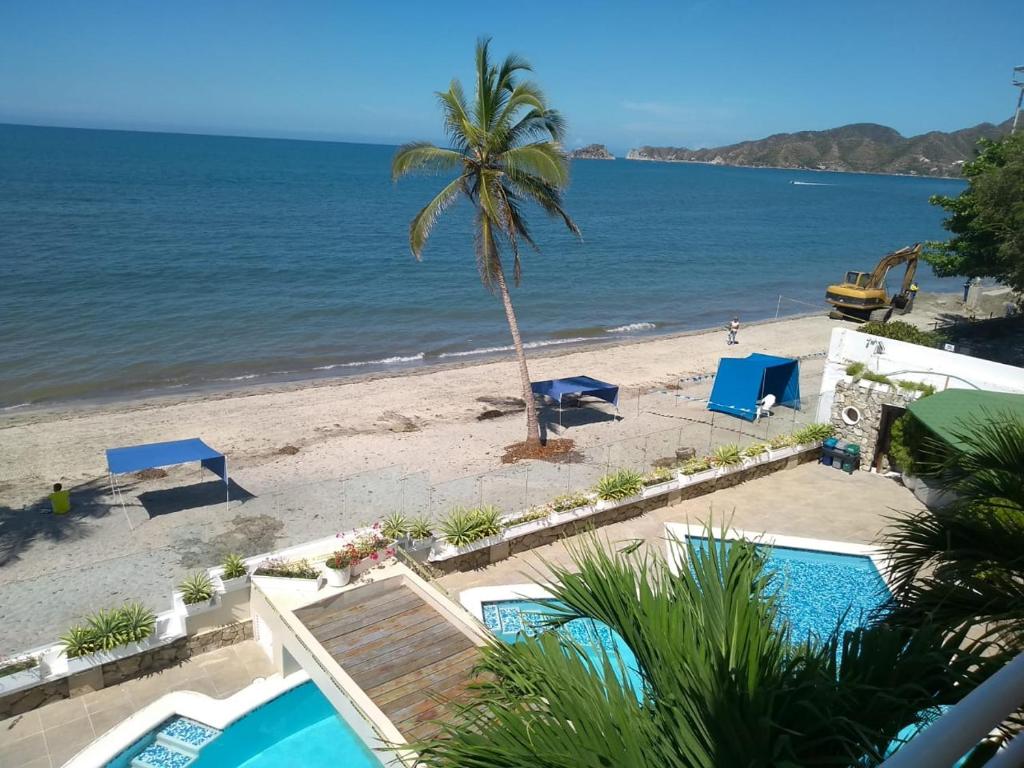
[(196, 588), (395, 526), (505, 147), (108, 629), (619, 485), (234, 567), (296, 569), (462, 526), (963, 565), (898, 330), (986, 220), (723, 681)]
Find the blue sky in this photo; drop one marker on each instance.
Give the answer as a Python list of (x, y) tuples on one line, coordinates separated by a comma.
[(681, 73)]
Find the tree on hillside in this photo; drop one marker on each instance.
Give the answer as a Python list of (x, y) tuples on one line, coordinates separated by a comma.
[(987, 218), (722, 681), (506, 148)]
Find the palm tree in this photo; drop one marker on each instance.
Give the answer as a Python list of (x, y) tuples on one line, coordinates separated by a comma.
[(723, 681), (506, 147), (963, 565)]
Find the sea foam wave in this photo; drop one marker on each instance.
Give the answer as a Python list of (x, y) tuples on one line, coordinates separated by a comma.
[(631, 327), (383, 361), (509, 347)]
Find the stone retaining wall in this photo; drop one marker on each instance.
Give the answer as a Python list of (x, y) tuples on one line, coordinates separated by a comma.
[(128, 668), (868, 398), (484, 556)]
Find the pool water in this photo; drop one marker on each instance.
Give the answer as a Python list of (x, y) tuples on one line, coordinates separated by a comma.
[(511, 619), (818, 590), (297, 729)]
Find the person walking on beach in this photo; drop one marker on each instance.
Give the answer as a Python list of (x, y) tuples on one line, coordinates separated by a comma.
[(913, 295), (734, 328)]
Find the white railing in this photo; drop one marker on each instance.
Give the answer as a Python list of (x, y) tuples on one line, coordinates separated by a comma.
[(951, 736)]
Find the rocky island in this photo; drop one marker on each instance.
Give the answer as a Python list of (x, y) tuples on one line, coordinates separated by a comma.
[(592, 152), (861, 148)]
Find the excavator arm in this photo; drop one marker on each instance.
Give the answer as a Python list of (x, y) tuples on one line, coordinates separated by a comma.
[(910, 255)]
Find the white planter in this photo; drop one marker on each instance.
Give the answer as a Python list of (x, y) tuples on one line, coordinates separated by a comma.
[(285, 582), (524, 528), (603, 504), (235, 584), (659, 488), (698, 477), (442, 550), (22, 679), (337, 577), (195, 609), (558, 518)]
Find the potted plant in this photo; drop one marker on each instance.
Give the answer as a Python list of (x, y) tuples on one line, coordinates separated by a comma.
[(780, 447), (619, 487), (464, 530), (395, 527), (696, 470), (570, 506), (754, 454), (367, 548), (520, 524), (421, 534), (196, 593), (234, 574), (658, 481), (726, 457), (297, 575), (338, 567), (108, 630)]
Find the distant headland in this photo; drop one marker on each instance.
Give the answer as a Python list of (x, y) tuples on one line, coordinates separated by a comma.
[(592, 152), (860, 148)]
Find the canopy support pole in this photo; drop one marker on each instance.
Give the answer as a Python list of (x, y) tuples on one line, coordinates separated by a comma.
[(115, 490)]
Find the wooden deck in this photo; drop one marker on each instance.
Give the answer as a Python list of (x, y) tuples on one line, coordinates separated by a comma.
[(398, 648)]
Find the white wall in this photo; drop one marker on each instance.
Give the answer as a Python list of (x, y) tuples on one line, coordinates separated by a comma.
[(911, 362)]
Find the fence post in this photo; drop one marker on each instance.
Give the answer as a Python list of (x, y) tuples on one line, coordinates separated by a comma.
[(526, 489)]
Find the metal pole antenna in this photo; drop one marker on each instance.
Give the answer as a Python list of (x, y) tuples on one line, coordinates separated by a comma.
[(1018, 82)]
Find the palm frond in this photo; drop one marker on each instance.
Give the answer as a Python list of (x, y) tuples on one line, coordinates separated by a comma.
[(423, 156), (423, 222), (544, 160)]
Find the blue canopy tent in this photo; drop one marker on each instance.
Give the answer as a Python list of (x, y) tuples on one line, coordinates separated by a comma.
[(576, 386), (135, 458), (741, 382)]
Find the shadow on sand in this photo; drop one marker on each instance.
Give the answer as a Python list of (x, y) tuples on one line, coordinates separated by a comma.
[(20, 528), (168, 500)]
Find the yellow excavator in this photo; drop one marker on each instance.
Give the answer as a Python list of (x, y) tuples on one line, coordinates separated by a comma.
[(862, 295)]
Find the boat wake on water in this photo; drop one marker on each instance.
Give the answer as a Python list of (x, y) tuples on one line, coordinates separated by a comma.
[(811, 184)]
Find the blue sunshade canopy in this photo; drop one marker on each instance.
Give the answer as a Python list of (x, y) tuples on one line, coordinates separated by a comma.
[(556, 389), (135, 458), (741, 382)]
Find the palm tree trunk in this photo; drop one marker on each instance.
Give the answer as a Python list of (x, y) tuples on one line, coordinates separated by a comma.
[(532, 425)]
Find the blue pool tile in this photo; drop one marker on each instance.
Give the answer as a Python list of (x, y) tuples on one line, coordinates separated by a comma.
[(491, 619), (189, 732), (159, 756), (511, 618)]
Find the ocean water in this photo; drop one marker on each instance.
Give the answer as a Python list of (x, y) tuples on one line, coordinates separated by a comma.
[(136, 263)]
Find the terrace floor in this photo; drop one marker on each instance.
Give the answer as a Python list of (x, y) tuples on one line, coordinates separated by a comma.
[(406, 655), (51, 735), (810, 500)]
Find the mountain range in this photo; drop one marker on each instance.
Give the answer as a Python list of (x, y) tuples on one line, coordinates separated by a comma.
[(860, 147)]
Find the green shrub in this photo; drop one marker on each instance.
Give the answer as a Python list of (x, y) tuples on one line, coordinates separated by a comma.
[(726, 455), (658, 475), (421, 528), (813, 433), (234, 567), (782, 441), (897, 330), (137, 622), (197, 588), (913, 449), (464, 526), (395, 526), (619, 485), (297, 569), (916, 386), (878, 378), (695, 465), (108, 629), (540, 513), (855, 370), (754, 450), (569, 501)]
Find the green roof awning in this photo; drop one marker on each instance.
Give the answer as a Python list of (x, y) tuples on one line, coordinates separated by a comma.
[(954, 410)]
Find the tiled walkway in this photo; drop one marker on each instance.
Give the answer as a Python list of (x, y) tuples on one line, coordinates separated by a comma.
[(52, 735)]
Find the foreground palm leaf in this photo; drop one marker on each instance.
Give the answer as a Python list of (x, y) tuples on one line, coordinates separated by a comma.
[(964, 566), (506, 148), (723, 682)]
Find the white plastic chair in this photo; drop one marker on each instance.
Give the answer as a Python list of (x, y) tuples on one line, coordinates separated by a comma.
[(764, 406)]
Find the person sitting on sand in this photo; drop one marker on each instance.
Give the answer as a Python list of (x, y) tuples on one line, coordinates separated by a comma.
[(734, 328), (60, 500)]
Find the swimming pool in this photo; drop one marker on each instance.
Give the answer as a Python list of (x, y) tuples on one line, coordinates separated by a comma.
[(818, 589), (510, 619), (295, 730)]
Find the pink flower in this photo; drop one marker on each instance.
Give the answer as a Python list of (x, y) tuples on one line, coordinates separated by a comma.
[(374, 556)]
